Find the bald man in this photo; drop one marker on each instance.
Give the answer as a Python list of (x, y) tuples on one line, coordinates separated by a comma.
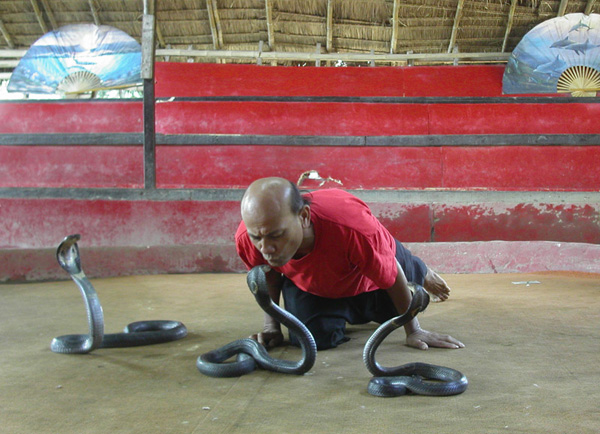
[(333, 262)]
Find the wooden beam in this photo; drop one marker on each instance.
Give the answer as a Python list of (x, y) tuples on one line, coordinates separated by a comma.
[(589, 6), (12, 53), (215, 24), (148, 55), (147, 74), (50, 14), (394, 40), (329, 42), (347, 57), (270, 30), (456, 25), (318, 50), (8, 63), (94, 12), (159, 35), (312, 57), (218, 22), (511, 18), (562, 8), (39, 16), (6, 35)]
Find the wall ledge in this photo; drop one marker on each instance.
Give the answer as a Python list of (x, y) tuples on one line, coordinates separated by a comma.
[(30, 265)]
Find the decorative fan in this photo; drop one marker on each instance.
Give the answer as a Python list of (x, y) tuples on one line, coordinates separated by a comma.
[(78, 58), (579, 81), (559, 55)]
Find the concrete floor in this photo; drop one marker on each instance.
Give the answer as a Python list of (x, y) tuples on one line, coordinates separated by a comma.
[(532, 358)]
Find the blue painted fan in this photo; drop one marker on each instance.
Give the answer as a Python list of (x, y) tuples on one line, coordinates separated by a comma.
[(78, 58), (559, 55)]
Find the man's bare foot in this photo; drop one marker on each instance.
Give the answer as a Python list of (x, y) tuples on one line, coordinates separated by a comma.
[(437, 287)]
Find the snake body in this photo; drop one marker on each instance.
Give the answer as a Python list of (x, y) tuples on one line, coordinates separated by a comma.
[(418, 378), (250, 353), (135, 334)]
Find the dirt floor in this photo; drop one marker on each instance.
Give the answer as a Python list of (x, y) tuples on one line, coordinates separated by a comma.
[(532, 358)]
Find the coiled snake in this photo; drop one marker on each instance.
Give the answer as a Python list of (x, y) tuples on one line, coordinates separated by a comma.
[(249, 352), (418, 378), (135, 334)]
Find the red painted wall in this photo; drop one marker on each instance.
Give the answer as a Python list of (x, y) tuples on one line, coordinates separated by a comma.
[(72, 166), (494, 168), (518, 168), (203, 79), (370, 119), (41, 223), (491, 168), (71, 117)]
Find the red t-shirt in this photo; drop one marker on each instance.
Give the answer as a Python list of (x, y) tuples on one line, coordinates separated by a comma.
[(353, 252)]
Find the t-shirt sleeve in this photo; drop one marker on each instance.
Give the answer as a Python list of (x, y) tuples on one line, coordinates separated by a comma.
[(374, 254), (246, 250)]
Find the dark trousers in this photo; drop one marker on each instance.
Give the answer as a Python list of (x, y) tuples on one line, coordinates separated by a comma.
[(326, 318)]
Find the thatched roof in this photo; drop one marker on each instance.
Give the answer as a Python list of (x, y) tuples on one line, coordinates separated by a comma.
[(375, 27)]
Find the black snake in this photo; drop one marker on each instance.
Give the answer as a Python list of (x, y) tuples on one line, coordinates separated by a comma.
[(418, 378), (135, 334), (249, 352)]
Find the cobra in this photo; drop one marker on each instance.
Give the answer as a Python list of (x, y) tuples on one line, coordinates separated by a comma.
[(418, 378), (135, 334), (249, 353)]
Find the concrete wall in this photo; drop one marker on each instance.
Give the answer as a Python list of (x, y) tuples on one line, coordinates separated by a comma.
[(439, 153)]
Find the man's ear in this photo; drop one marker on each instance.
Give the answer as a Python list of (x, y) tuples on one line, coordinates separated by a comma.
[(305, 216)]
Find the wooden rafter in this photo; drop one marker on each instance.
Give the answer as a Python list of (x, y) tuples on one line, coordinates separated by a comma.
[(589, 6), (346, 57), (6, 35), (94, 11), (329, 42), (395, 13), (270, 31), (456, 26), (562, 8), (511, 17), (39, 16), (49, 14), (215, 24), (159, 35)]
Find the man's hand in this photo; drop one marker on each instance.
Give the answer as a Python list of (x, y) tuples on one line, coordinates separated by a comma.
[(422, 339), (269, 338)]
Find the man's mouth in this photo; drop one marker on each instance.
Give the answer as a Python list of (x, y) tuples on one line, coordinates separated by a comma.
[(271, 260)]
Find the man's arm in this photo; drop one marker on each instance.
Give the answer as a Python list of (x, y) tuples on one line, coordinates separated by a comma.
[(271, 336), (415, 335)]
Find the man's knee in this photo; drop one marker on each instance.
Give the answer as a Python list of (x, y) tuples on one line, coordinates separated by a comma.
[(327, 332)]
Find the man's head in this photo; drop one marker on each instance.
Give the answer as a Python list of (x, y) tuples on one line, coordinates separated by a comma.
[(277, 218)]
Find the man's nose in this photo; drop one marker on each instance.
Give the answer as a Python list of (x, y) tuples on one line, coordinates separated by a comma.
[(267, 247)]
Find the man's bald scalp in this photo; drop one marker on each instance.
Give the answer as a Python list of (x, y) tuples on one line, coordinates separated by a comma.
[(273, 193), (266, 193)]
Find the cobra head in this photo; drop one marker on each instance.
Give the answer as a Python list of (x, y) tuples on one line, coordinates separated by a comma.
[(257, 282), (67, 254), (420, 299)]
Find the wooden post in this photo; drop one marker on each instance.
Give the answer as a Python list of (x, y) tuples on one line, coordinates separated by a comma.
[(147, 74)]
